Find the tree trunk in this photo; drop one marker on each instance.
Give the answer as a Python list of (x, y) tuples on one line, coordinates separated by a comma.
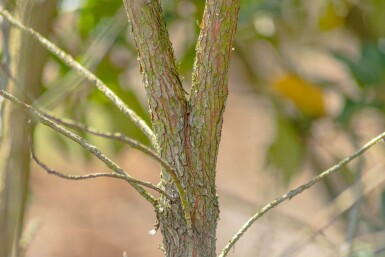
[(27, 62), (188, 130)]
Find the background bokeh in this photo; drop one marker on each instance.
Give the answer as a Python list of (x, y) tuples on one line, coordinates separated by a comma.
[(307, 87)]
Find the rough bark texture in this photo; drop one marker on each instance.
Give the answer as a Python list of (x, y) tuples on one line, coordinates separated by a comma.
[(207, 100), (27, 62), (188, 132), (169, 111)]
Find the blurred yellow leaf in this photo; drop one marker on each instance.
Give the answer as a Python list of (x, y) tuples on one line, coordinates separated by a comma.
[(306, 96), (330, 19)]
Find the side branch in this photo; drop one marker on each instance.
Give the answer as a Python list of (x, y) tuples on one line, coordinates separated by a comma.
[(93, 175), (89, 147), (72, 63), (116, 136), (299, 190)]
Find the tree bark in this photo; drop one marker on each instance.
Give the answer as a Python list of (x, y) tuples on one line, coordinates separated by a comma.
[(188, 131)]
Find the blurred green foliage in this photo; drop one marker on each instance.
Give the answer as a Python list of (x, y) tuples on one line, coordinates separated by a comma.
[(369, 68), (287, 137)]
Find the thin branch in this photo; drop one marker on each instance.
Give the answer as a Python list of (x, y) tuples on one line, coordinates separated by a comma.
[(341, 204), (116, 136), (72, 63), (354, 213), (106, 32), (92, 175), (89, 147), (299, 190)]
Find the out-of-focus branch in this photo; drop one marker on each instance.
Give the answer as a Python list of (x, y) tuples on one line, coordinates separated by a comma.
[(339, 206), (354, 213), (106, 34), (299, 190), (89, 147), (72, 63)]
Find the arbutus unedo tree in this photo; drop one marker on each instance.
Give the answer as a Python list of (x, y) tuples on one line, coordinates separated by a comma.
[(186, 128)]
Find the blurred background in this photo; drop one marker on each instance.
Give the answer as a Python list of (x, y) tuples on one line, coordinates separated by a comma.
[(307, 87)]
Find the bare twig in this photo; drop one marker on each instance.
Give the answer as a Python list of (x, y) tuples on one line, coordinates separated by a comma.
[(299, 190), (72, 63), (117, 136), (92, 175), (89, 147)]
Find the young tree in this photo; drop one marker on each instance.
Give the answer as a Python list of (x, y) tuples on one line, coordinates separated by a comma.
[(186, 129)]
